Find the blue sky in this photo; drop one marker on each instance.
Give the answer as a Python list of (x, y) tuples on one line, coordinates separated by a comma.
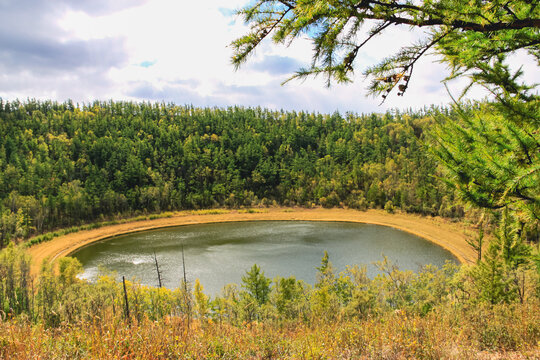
[(177, 51)]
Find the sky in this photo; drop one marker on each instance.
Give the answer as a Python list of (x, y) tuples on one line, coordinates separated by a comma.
[(178, 51)]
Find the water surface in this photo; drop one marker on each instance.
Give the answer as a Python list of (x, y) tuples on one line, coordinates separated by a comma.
[(219, 254)]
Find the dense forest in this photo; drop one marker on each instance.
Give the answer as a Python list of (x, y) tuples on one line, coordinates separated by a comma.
[(63, 164)]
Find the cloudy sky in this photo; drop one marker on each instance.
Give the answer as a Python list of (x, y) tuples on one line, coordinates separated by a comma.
[(176, 51)]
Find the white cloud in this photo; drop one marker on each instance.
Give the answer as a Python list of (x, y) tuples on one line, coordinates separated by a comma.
[(178, 51)]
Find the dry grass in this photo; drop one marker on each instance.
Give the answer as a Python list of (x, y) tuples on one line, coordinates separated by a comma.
[(440, 335)]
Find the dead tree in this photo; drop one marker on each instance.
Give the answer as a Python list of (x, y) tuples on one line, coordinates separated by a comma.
[(126, 300)]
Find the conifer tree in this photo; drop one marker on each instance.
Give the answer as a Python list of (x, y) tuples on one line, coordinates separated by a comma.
[(492, 153), (492, 150), (256, 284), (502, 275), (469, 35)]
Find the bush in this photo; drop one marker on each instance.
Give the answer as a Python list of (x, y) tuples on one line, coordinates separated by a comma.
[(389, 207)]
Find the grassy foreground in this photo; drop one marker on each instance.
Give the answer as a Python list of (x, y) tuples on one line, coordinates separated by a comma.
[(497, 333), (448, 313)]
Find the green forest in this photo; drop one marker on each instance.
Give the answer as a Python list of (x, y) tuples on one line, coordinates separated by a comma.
[(63, 165)]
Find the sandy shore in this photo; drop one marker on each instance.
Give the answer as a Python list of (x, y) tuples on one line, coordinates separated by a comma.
[(451, 236)]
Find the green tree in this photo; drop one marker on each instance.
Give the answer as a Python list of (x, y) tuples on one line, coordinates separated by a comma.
[(259, 157), (202, 304), (491, 155), (469, 35), (289, 297), (325, 274), (15, 280), (257, 285), (491, 151), (69, 268), (502, 275), (324, 299), (48, 295)]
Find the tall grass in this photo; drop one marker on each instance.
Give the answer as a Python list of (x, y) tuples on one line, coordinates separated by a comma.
[(440, 335)]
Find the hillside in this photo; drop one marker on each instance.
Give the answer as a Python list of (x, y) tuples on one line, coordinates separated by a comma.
[(63, 165)]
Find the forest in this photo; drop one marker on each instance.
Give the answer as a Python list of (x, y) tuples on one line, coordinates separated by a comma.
[(63, 165)]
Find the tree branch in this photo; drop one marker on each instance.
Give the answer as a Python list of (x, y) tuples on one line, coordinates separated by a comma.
[(463, 25), (438, 19)]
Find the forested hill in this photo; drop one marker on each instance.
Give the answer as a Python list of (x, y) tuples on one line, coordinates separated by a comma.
[(62, 165)]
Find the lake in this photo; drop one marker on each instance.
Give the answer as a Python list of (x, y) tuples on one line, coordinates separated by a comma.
[(220, 253)]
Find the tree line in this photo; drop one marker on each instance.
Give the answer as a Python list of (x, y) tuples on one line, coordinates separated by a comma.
[(63, 164)]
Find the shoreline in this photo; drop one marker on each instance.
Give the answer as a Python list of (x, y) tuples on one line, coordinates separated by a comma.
[(448, 235)]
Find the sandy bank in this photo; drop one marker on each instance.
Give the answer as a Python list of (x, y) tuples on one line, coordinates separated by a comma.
[(451, 236)]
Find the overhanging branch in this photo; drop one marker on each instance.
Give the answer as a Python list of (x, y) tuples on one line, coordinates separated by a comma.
[(463, 25)]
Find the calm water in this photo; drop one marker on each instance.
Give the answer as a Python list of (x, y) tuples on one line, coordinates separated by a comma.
[(219, 254)]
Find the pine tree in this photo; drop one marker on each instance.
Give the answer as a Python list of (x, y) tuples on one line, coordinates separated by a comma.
[(501, 275), (468, 34), (257, 285), (492, 152)]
